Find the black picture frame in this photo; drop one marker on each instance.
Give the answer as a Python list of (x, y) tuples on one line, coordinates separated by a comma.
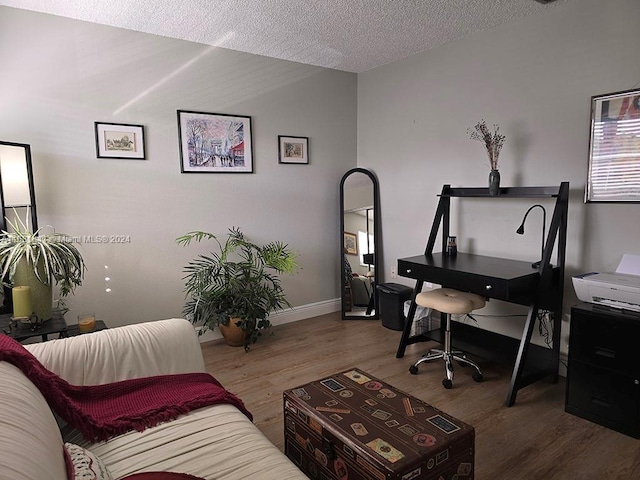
[(614, 148), (123, 141), (215, 142), (293, 150)]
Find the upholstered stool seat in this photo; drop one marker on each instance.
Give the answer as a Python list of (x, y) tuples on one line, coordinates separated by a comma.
[(449, 301)]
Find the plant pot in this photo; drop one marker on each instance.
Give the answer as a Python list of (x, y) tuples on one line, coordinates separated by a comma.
[(233, 335), (494, 182), (41, 294)]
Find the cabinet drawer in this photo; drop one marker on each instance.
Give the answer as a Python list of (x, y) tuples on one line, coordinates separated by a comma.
[(604, 340), (603, 396)]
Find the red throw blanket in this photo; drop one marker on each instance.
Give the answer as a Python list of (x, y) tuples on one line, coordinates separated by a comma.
[(103, 411)]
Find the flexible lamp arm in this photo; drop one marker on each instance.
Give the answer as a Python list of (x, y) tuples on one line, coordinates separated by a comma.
[(520, 229)]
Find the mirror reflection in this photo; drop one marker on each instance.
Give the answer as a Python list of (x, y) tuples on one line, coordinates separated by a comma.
[(359, 225)]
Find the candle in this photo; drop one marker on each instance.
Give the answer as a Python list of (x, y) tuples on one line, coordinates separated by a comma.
[(86, 322), (21, 302)]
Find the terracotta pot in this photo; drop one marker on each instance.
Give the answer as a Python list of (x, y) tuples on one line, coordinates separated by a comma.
[(233, 335)]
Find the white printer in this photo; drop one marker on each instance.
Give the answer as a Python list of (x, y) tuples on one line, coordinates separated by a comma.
[(618, 290)]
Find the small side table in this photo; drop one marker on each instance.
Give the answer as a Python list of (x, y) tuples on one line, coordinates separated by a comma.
[(73, 330), (23, 331)]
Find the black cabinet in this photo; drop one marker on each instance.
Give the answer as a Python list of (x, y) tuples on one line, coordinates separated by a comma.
[(603, 376)]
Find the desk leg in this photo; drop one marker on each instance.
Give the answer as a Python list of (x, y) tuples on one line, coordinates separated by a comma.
[(371, 305), (557, 327), (522, 355), (549, 368), (409, 321)]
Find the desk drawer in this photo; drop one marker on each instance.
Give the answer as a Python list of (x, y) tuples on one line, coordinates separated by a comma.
[(469, 282)]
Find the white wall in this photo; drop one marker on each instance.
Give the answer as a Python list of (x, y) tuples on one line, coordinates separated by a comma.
[(58, 76), (534, 78)]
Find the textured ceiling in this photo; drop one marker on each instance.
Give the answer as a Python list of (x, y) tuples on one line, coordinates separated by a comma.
[(349, 35)]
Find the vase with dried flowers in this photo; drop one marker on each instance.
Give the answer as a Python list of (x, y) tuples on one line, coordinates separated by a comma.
[(493, 142)]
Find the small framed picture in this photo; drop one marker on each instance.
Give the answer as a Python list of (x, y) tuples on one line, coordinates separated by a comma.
[(214, 143), (119, 140), (293, 149), (350, 243), (614, 148)]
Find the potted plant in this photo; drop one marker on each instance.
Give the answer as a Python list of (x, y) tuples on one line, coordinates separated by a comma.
[(39, 260), (237, 285)]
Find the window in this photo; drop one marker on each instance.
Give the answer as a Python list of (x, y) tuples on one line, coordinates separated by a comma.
[(364, 246), (614, 151)]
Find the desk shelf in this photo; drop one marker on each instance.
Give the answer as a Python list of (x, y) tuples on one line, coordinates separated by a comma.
[(503, 279), (505, 192)]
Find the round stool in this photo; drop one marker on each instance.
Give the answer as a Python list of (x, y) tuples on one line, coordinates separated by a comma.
[(449, 301)]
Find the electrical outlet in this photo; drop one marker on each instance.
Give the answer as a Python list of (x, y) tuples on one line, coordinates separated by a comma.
[(394, 274)]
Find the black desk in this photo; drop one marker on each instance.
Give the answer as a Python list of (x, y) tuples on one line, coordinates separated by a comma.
[(512, 281), (500, 278)]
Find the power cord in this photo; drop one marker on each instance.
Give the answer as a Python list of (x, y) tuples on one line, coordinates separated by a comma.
[(545, 319)]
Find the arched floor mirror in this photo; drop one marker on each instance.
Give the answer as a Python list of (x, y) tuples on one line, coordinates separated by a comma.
[(360, 244)]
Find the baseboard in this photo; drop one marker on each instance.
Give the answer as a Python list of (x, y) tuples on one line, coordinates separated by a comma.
[(287, 316)]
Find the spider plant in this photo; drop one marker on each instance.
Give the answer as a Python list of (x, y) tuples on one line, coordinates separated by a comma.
[(237, 280), (49, 257)]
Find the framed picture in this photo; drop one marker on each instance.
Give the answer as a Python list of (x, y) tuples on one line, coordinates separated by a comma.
[(614, 148), (350, 243), (214, 143), (119, 140), (293, 149)]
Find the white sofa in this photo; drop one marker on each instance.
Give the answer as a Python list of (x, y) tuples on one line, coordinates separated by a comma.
[(215, 442)]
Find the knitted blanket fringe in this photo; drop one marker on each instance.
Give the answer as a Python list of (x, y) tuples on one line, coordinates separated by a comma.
[(101, 412)]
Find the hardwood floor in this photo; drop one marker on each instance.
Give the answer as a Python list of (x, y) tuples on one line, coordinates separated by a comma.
[(535, 439)]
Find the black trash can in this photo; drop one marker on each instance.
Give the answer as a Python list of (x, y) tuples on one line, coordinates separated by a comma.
[(391, 298)]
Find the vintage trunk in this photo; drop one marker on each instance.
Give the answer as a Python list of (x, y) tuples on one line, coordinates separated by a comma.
[(352, 426)]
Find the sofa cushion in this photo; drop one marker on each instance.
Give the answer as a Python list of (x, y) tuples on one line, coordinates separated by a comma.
[(82, 464), (32, 446), (143, 350), (217, 442)]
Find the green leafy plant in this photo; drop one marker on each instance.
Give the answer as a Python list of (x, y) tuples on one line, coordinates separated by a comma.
[(55, 259), (240, 279)]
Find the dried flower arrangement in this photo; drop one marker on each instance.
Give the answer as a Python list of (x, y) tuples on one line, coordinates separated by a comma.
[(492, 141)]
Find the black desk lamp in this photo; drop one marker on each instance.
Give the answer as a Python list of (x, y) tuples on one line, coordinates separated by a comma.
[(520, 231)]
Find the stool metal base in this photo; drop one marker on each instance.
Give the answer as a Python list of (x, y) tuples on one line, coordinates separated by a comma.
[(457, 355), (448, 355)]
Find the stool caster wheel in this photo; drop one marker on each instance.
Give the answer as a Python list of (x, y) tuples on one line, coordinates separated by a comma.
[(413, 370), (448, 384), (477, 376)]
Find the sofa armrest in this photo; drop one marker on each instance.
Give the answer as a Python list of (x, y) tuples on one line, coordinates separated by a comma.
[(141, 350)]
